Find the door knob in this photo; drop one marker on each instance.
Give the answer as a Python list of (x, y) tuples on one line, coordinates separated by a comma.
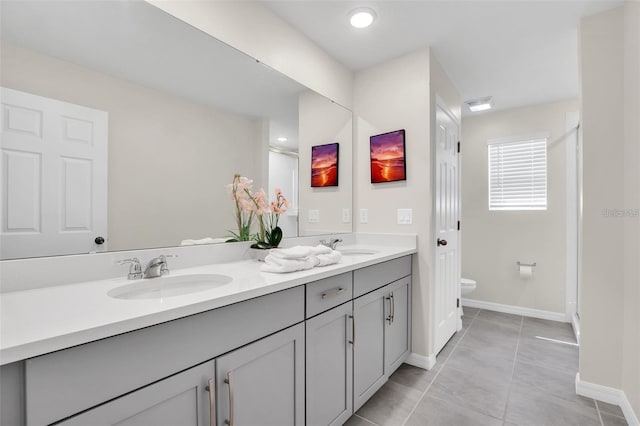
[(442, 242), (99, 240)]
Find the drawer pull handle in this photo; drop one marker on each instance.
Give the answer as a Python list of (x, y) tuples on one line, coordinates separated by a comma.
[(211, 388), (329, 294), (389, 317), (353, 330), (230, 383)]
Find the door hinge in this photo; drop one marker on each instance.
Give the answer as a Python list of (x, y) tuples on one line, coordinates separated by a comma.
[(458, 147), (458, 225), (458, 303)]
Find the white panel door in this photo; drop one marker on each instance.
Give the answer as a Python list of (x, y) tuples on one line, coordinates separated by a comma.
[(54, 177), (447, 209)]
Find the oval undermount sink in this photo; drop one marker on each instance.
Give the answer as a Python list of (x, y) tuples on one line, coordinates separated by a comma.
[(162, 287), (357, 252)]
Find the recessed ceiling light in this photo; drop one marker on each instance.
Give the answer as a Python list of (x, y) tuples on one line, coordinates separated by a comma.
[(362, 17), (282, 139), (480, 104)]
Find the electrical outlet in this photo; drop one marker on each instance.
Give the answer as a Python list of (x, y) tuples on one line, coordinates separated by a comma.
[(346, 215), (364, 215), (313, 216), (405, 216)]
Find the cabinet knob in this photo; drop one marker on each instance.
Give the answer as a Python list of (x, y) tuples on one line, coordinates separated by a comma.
[(99, 240)]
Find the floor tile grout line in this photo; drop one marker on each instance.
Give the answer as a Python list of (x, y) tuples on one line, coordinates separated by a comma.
[(513, 371), (365, 419), (598, 411), (444, 363)]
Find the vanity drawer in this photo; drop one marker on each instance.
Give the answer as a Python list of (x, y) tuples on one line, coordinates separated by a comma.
[(66, 382), (375, 276), (324, 294)]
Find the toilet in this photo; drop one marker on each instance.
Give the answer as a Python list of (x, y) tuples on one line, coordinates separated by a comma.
[(466, 286)]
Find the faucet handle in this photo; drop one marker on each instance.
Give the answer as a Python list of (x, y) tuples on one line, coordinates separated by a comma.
[(332, 243), (135, 270), (164, 266)]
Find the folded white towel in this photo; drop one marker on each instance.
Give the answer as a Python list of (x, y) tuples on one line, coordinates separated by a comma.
[(279, 265), (328, 259), (207, 240), (322, 256), (299, 252)]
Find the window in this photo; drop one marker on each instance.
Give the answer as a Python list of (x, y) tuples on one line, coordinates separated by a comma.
[(518, 173)]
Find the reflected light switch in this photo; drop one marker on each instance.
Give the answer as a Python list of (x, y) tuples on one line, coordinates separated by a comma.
[(313, 216), (405, 216), (346, 215), (364, 215)]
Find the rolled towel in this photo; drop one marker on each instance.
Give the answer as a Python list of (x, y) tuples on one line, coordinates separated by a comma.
[(329, 258), (207, 240), (279, 265), (300, 252)]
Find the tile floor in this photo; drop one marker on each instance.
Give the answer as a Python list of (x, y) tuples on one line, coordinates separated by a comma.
[(494, 371)]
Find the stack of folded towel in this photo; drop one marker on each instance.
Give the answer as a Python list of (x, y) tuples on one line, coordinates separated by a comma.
[(299, 258)]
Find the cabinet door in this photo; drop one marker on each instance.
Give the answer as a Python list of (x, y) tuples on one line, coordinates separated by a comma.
[(368, 347), (329, 367), (263, 383), (397, 337), (182, 399)]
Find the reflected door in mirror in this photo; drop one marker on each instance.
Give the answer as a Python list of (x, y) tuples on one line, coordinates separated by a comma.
[(54, 190)]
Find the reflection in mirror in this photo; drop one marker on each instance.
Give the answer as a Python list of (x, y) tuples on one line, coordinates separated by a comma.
[(122, 125)]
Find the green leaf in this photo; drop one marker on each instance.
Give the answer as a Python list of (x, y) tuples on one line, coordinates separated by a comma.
[(275, 236)]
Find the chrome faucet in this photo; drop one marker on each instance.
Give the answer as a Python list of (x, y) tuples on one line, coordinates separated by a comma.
[(157, 267), (135, 270), (332, 243)]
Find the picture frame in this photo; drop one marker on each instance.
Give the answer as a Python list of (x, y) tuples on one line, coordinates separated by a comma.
[(324, 165), (388, 157)]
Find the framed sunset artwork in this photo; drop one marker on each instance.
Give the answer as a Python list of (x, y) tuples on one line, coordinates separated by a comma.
[(388, 157), (324, 165)]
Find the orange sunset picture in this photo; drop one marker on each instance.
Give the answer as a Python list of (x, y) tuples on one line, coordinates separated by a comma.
[(324, 165), (387, 157)]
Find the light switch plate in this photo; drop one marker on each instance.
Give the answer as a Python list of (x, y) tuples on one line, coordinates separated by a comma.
[(346, 215), (405, 216), (364, 215), (313, 216)]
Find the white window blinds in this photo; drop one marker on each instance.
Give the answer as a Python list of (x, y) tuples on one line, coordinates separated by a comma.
[(518, 174)]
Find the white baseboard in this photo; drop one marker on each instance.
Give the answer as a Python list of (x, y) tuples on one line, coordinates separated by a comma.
[(421, 361), (517, 310), (609, 395)]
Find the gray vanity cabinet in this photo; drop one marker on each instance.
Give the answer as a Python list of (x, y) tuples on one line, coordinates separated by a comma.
[(259, 384), (329, 367), (397, 333), (263, 383), (368, 346), (182, 399), (382, 339)]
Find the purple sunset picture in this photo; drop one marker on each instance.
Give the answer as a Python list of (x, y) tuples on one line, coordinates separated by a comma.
[(387, 157), (324, 165)]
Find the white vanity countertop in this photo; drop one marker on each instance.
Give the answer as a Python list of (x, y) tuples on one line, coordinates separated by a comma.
[(38, 321)]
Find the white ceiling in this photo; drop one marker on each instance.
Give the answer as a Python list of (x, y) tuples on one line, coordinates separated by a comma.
[(519, 52)]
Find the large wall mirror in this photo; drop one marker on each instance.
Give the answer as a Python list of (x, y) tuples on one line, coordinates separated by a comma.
[(122, 125)]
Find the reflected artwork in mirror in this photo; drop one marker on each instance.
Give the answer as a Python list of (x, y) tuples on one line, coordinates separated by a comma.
[(121, 126), (324, 165)]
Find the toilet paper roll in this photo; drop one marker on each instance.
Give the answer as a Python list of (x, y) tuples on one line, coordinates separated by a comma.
[(526, 272)]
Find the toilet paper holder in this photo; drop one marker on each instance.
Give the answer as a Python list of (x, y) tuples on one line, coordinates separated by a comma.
[(526, 264)]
